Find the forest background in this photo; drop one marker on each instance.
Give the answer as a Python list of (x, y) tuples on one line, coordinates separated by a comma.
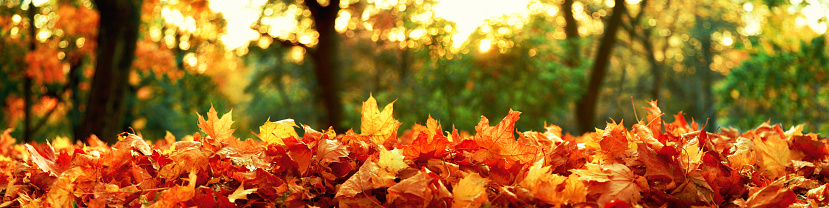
[(72, 68)]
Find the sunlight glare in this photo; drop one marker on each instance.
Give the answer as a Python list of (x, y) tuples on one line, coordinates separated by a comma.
[(485, 45), (239, 17), (727, 41), (469, 14), (816, 15)]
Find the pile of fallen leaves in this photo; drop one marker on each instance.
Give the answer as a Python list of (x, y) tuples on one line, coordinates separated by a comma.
[(655, 163)]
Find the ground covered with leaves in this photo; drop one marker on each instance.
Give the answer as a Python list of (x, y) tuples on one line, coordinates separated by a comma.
[(654, 163)]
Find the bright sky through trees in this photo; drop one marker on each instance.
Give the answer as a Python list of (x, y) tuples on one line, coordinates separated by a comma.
[(467, 14)]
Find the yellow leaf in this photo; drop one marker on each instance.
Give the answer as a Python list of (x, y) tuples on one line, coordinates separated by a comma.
[(240, 193), (470, 191), (594, 172), (691, 155), (274, 132), (391, 160), (379, 125)]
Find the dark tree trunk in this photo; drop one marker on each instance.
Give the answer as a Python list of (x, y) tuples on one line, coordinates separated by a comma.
[(706, 107), (572, 32), (586, 106), (326, 61), (117, 36), (27, 83), (404, 64)]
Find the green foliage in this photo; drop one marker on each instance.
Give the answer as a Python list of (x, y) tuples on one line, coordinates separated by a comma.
[(172, 103), (786, 87)]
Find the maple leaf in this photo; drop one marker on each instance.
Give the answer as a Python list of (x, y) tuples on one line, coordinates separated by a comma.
[(695, 190), (656, 168), (431, 129), (644, 134), (185, 160), (691, 155), (381, 126), (499, 141), (299, 153), (612, 181), (133, 141), (819, 194), (215, 127), (773, 195), (775, 154), (176, 194), (424, 148), (45, 161), (420, 189), (811, 146), (275, 132), (614, 140), (60, 194), (553, 188), (240, 193), (470, 191), (359, 182), (391, 160), (594, 172), (329, 151)]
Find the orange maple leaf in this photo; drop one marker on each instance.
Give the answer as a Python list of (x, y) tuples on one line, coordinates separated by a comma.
[(215, 127), (470, 191), (176, 194), (553, 188), (498, 141), (775, 155), (329, 151), (622, 185), (60, 195)]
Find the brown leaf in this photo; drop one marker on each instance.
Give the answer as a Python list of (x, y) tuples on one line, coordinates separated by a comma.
[(329, 151), (360, 181)]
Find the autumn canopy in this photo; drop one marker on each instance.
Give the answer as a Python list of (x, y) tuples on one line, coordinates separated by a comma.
[(653, 163)]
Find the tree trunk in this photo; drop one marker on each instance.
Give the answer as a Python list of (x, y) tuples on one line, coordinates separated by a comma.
[(326, 61), (572, 32), (117, 36), (706, 107), (27, 83), (586, 106)]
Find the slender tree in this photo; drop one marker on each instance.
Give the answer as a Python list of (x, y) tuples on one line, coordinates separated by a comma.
[(586, 106), (571, 29)]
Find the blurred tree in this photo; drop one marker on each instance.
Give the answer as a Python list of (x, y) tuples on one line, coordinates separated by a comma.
[(323, 49), (571, 29), (586, 105), (787, 87), (53, 44), (117, 36)]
